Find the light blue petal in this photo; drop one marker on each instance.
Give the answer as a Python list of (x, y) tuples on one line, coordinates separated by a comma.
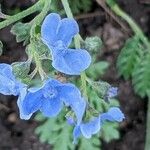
[(8, 84), (67, 30), (32, 102), (49, 29), (20, 102), (90, 128), (73, 62), (72, 97), (76, 134), (113, 114), (52, 82), (52, 107)]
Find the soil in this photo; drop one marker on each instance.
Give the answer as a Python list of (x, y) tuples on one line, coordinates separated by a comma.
[(16, 134)]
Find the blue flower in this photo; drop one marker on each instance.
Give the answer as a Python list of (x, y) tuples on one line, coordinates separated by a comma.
[(8, 84), (57, 34), (49, 99), (87, 129), (113, 114), (112, 92)]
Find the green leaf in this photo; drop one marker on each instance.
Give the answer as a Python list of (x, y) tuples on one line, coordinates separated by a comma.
[(55, 131), (40, 48), (90, 144), (141, 76), (21, 70), (101, 87), (110, 131), (98, 69), (1, 48), (77, 6), (129, 57), (95, 100), (22, 32)]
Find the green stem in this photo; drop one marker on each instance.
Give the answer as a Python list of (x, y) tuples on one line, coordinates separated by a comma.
[(38, 19), (137, 30), (147, 142), (77, 45), (14, 18)]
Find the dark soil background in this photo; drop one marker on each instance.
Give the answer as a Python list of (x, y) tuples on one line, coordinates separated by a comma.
[(16, 134)]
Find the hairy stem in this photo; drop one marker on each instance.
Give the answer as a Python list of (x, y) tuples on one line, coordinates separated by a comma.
[(137, 30), (12, 19), (77, 45), (37, 21)]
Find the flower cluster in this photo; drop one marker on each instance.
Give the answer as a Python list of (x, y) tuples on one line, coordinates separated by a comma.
[(53, 95)]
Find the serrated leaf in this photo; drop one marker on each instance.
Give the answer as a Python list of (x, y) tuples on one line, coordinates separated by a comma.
[(55, 131), (97, 69), (141, 76), (22, 32), (129, 57), (110, 131), (64, 141), (90, 144)]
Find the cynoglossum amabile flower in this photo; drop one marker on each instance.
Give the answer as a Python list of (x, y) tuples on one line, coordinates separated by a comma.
[(112, 92), (57, 34), (93, 126), (49, 99), (9, 85)]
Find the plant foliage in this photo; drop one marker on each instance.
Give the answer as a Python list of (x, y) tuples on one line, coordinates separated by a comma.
[(141, 76), (77, 6), (129, 57), (58, 133)]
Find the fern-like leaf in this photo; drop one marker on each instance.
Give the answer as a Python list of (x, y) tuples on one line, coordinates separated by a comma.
[(129, 57), (90, 144), (141, 76)]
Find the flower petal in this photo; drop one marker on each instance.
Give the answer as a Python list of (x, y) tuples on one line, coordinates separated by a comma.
[(49, 28), (20, 102), (113, 114), (90, 128), (8, 84), (73, 62), (76, 134), (72, 97), (51, 107), (67, 30), (32, 102), (112, 92)]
